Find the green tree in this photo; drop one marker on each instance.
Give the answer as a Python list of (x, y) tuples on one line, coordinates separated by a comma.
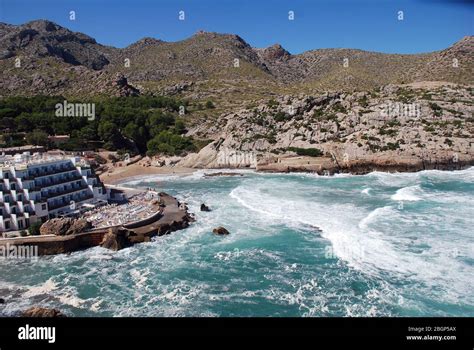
[(179, 126), (35, 228), (108, 131), (132, 131), (37, 138)]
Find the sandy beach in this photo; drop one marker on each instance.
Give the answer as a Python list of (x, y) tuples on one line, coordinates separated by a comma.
[(119, 174)]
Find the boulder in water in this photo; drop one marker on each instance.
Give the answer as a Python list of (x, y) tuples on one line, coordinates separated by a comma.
[(205, 207), (220, 231)]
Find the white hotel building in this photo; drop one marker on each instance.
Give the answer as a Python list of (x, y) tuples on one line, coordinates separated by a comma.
[(40, 187)]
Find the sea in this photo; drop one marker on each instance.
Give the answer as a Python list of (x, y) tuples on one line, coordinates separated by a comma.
[(381, 244)]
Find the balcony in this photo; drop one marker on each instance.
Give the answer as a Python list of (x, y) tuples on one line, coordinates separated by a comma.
[(69, 178), (63, 169), (54, 194), (63, 203)]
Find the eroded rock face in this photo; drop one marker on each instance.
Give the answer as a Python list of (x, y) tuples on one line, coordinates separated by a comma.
[(220, 231), (274, 53), (78, 226), (120, 82), (36, 311), (65, 226), (116, 239)]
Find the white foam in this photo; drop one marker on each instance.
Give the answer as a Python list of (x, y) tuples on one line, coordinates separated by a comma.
[(410, 193), (368, 240), (366, 191), (45, 288), (71, 300), (375, 215)]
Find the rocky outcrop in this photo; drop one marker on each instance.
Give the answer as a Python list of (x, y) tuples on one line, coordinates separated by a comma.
[(220, 173), (274, 53), (220, 231), (36, 311), (116, 239), (122, 86), (64, 226), (204, 207), (178, 88)]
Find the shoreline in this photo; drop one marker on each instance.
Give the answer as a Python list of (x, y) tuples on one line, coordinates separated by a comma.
[(135, 171), (130, 175)]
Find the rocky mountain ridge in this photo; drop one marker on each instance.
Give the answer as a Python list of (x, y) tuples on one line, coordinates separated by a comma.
[(63, 60)]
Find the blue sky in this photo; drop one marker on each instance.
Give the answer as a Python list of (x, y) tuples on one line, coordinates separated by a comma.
[(428, 25)]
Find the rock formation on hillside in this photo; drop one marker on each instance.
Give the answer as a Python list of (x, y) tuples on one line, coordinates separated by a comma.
[(407, 127)]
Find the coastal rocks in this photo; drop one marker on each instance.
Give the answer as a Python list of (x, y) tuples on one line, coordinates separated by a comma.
[(64, 226), (2, 301), (56, 227), (37, 311), (116, 239), (205, 207), (220, 231), (222, 174), (78, 226), (175, 225), (320, 165)]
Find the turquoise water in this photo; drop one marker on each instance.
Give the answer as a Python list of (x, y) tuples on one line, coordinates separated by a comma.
[(300, 245)]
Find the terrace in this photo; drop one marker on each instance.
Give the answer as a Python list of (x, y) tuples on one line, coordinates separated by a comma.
[(139, 207)]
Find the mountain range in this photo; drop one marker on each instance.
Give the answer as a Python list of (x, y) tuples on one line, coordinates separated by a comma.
[(41, 57)]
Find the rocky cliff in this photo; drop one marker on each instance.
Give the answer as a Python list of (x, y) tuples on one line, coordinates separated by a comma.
[(397, 127)]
